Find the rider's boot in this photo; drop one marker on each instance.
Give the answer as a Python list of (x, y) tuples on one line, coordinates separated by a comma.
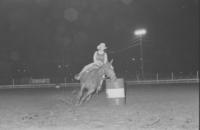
[(77, 77)]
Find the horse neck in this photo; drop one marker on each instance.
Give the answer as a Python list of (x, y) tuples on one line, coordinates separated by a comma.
[(101, 71)]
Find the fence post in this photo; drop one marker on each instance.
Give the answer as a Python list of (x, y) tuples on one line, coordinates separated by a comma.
[(157, 76), (13, 83), (137, 77), (172, 74), (65, 81)]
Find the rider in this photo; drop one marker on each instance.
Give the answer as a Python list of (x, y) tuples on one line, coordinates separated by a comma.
[(100, 57)]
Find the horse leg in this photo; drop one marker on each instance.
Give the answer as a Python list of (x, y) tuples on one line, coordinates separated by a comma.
[(87, 96), (99, 87), (93, 94)]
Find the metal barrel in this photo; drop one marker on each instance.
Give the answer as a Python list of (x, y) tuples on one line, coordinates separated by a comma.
[(115, 91)]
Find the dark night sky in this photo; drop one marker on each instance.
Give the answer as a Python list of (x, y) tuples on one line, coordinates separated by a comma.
[(45, 33)]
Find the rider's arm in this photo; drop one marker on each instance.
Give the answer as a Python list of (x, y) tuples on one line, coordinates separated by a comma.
[(95, 57), (105, 58)]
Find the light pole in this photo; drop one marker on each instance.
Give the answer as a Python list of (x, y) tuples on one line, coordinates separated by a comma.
[(140, 33)]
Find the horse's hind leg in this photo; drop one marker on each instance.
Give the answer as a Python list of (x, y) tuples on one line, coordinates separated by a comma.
[(89, 96), (80, 94)]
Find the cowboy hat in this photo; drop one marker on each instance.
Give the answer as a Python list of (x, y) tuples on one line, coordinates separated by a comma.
[(101, 46)]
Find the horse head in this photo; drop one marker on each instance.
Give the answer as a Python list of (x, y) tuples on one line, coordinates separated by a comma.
[(109, 70)]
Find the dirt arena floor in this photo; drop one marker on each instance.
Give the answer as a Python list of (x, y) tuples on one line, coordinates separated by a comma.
[(148, 107)]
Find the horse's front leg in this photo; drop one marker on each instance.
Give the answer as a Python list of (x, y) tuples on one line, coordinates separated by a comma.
[(87, 96), (99, 87)]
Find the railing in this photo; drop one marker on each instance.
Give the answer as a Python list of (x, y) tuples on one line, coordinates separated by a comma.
[(163, 81), (156, 78), (128, 82)]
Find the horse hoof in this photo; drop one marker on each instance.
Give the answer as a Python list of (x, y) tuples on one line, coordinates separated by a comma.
[(77, 103), (74, 91)]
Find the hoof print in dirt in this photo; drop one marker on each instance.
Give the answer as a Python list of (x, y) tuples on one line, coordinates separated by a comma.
[(130, 120), (30, 117), (188, 120)]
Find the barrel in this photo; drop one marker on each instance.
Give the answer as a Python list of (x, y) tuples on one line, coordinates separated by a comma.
[(115, 92)]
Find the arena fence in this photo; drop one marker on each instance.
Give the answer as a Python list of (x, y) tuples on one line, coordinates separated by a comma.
[(156, 78), (127, 82)]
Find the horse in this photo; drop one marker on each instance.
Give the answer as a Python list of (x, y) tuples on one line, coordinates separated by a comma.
[(92, 81)]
